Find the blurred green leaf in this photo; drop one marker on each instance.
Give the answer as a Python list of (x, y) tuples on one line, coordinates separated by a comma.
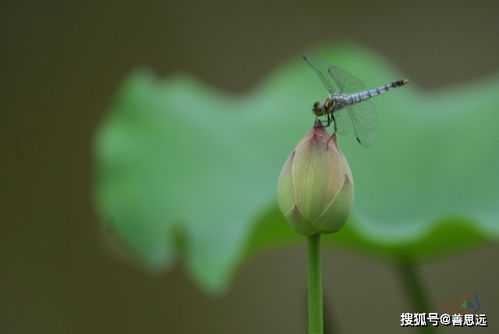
[(178, 160)]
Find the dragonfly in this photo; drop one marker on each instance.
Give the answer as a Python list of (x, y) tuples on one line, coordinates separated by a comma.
[(348, 103)]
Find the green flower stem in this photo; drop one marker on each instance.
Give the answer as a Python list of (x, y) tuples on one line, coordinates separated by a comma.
[(415, 291), (315, 312)]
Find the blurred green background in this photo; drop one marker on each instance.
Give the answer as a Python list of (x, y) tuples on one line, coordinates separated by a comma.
[(61, 64)]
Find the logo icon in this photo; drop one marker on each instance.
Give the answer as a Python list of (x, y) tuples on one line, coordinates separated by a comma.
[(469, 303)]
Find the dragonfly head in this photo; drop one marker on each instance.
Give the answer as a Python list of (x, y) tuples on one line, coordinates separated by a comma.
[(317, 109)]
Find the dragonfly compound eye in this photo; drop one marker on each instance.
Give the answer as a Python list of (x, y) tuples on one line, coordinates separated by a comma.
[(316, 109)]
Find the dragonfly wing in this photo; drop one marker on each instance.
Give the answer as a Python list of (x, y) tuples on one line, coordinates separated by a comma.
[(322, 70), (345, 81), (362, 114), (364, 120), (343, 122)]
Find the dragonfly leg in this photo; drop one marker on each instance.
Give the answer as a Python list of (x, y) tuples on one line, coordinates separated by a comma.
[(324, 122), (328, 119), (335, 127)]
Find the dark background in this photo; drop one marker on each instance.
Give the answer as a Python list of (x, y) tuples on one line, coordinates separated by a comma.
[(61, 62)]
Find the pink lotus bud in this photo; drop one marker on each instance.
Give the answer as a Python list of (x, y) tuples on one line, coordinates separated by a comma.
[(315, 190)]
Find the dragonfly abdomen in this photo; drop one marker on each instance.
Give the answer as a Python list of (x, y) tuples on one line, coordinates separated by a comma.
[(362, 96)]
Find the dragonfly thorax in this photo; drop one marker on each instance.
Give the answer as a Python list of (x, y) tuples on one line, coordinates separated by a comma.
[(333, 102)]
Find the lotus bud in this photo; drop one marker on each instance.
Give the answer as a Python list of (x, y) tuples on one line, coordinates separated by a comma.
[(315, 190)]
